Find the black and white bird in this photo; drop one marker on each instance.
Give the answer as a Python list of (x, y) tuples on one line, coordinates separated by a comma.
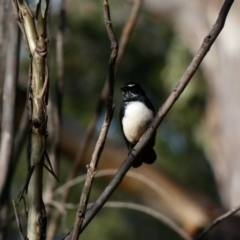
[(136, 114)]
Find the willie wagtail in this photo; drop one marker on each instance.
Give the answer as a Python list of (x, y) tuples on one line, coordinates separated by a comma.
[(136, 114)]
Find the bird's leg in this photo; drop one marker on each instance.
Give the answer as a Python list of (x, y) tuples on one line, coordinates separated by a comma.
[(131, 149)]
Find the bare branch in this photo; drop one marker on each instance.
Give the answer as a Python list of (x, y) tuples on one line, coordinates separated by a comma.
[(133, 206), (140, 177), (152, 212), (127, 31), (28, 25), (106, 124), (217, 221), (207, 43)]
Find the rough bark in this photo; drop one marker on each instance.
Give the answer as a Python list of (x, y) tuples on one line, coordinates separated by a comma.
[(34, 29)]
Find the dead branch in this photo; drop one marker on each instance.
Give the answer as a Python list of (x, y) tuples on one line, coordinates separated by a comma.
[(85, 143), (92, 168), (127, 31)]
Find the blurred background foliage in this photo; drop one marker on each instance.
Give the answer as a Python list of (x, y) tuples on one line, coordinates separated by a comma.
[(156, 58)]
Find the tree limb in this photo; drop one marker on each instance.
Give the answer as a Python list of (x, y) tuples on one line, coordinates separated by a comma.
[(81, 153), (116, 180)]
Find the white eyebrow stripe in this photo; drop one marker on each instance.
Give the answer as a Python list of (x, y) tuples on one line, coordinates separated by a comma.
[(131, 85)]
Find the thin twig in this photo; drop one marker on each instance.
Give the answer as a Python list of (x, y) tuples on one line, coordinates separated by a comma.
[(217, 221), (124, 39), (116, 180), (133, 206), (151, 212), (106, 124), (105, 172), (18, 222), (126, 33)]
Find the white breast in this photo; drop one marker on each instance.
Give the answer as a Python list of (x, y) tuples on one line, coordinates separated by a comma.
[(135, 121)]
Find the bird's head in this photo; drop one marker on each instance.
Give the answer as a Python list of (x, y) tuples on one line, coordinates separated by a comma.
[(131, 91)]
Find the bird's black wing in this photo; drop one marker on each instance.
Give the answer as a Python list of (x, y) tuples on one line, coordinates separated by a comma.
[(147, 102)]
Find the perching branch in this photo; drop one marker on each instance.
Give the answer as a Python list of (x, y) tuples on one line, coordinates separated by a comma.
[(106, 124), (206, 45)]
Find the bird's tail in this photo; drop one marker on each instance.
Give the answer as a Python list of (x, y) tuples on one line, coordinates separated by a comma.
[(147, 155)]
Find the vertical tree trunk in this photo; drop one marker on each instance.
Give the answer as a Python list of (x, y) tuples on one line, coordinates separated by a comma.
[(4, 9), (10, 45), (35, 30)]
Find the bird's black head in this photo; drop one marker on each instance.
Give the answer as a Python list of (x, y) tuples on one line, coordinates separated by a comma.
[(132, 91)]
